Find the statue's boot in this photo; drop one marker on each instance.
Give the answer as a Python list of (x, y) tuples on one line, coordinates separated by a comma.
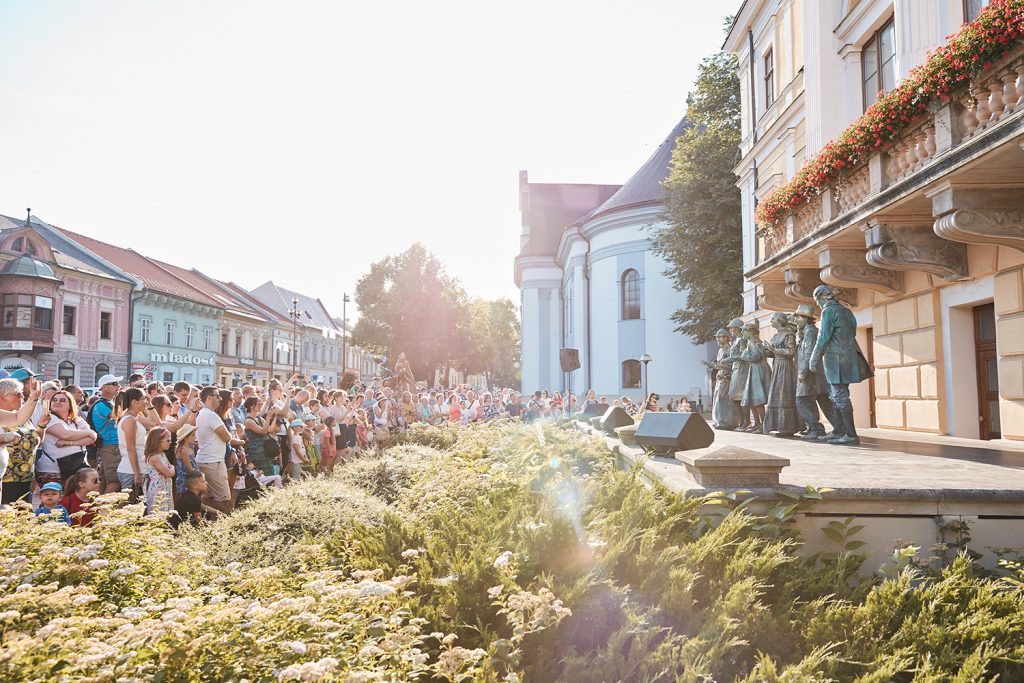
[(838, 431), (851, 438)]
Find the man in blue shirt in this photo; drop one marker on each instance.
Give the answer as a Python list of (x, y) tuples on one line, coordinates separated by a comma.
[(101, 419)]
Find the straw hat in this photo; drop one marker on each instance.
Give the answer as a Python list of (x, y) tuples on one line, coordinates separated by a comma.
[(184, 431)]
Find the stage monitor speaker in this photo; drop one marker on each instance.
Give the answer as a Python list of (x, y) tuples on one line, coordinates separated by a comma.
[(615, 417), (666, 433), (594, 410), (570, 359)]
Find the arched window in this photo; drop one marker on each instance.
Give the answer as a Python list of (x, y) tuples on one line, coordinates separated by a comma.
[(631, 374), (101, 369), (66, 372), (631, 295)]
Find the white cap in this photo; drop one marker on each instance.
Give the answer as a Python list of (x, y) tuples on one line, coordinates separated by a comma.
[(108, 379)]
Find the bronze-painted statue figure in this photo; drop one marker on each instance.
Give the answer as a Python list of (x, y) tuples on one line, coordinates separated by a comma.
[(843, 361), (781, 415), (740, 369), (723, 412), (759, 375), (812, 390)]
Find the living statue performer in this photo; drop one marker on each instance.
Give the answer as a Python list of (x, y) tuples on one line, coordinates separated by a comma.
[(844, 363), (759, 376), (402, 379), (740, 369), (812, 389), (723, 410), (781, 415)]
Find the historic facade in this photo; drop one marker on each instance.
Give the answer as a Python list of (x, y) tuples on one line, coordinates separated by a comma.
[(65, 315), (923, 239), (319, 352), (174, 325), (589, 281)]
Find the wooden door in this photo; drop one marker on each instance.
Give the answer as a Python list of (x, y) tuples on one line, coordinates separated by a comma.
[(988, 372), (869, 354)]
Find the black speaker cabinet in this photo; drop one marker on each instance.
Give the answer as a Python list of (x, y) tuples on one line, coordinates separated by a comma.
[(569, 359), (667, 433), (614, 417), (594, 410)]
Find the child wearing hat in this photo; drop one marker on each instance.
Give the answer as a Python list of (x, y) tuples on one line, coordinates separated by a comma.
[(49, 502), (298, 456)]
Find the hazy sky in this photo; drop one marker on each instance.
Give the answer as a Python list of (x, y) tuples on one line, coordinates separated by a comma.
[(302, 140)]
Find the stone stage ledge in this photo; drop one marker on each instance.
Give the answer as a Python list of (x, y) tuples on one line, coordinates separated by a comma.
[(901, 487)]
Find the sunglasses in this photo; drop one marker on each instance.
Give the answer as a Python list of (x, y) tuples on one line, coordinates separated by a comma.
[(58, 399)]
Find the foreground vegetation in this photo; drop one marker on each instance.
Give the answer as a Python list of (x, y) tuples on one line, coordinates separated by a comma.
[(495, 553)]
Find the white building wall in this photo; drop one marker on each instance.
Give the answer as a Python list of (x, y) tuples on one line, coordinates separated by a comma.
[(540, 326)]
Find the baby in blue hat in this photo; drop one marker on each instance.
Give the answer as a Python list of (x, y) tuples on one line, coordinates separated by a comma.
[(49, 502)]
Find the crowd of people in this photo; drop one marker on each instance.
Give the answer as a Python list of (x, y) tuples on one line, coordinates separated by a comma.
[(194, 452)]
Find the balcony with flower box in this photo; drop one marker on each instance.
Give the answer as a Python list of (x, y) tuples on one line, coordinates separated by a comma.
[(935, 165)]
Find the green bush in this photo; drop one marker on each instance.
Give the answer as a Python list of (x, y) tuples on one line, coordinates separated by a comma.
[(497, 552)]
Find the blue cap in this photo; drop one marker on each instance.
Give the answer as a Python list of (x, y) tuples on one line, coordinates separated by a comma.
[(298, 423), (52, 486), (22, 374)]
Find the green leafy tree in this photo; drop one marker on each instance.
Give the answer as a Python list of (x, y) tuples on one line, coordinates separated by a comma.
[(702, 242), (491, 341), (407, 303)]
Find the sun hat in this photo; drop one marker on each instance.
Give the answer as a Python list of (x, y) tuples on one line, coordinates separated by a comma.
[(184, 431), (51, 486), (108, 379)]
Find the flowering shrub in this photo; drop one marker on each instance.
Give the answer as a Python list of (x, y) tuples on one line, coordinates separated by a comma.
[(966, 54), (518, 553)]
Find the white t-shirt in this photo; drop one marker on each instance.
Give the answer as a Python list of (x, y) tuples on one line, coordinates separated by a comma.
[(211, 447), (125, 466), (51, 449)]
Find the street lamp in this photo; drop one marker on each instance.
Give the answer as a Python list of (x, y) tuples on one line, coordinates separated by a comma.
[(645, 359), (344, 325), (294, 314)]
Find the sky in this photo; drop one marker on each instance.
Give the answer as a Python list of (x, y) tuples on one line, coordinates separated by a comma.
[(300, 141)]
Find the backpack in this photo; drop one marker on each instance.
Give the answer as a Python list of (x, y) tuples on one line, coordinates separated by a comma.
[(98, 443)]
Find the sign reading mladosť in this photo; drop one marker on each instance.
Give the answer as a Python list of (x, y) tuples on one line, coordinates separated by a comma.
[(184, 359)]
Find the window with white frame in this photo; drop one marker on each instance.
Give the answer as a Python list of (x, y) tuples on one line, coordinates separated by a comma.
[(145, 325), (631, 295), (878, 63), (190, 335), (169, 332)]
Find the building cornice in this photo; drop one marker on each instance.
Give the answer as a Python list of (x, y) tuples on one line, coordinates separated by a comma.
[(524, 262), (646, 213)]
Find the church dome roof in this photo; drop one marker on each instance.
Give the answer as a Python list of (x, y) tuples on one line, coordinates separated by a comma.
[(26, 266), (645, 186)]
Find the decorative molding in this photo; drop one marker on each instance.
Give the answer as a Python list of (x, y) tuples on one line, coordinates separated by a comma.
[(801, 283), (631, 247), (1003, 227), (915, 247), (849, 268), (774, 297)]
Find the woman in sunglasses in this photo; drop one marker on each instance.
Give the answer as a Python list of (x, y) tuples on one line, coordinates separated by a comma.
[(67, 434)]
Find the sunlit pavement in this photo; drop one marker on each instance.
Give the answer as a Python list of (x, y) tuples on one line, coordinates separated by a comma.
[(886, 463)]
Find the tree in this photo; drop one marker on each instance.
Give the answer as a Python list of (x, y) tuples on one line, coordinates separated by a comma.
[(407, 303), (490, 341), (703, 241)]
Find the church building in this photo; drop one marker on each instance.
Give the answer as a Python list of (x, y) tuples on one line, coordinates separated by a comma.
[(589, 281)]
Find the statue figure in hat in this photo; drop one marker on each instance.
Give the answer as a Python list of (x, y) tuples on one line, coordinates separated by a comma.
[(812, 390), (759, 375), (781, 414), (740, 369), (844, 363), (723, 410)]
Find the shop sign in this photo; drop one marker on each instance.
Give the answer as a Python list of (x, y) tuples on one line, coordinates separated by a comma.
[(247, 361), (147, 370), (15, 345), (186, 359), (14, 363)]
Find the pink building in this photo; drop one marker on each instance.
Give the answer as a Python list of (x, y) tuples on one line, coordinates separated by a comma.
[(62, 312)]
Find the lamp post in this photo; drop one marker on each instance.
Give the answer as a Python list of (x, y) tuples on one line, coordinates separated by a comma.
[(645, 359), (344, 325), (294, 313)]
